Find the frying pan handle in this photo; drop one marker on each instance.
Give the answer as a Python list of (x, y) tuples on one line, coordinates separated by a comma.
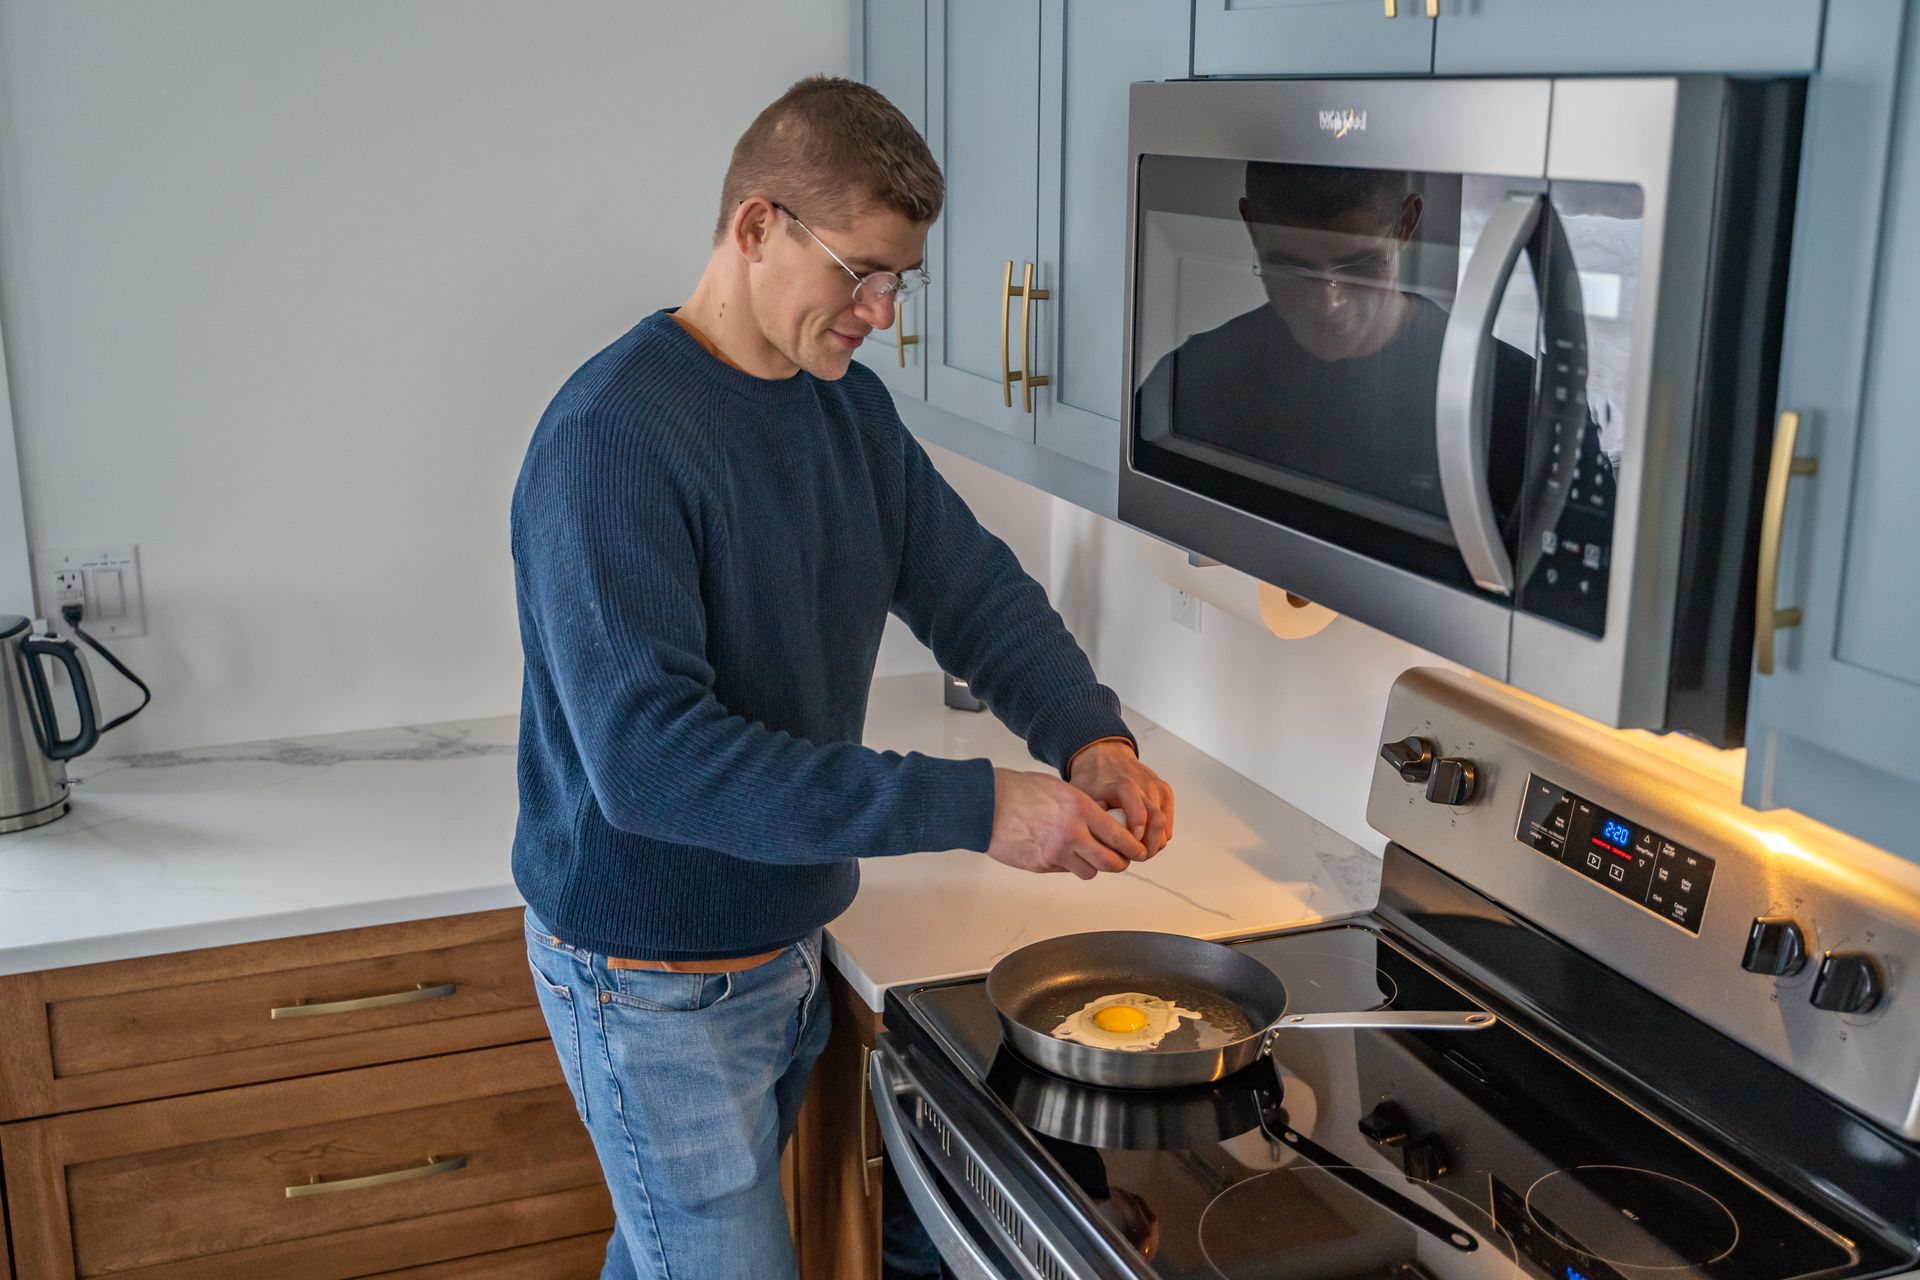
[(1387, 1020)]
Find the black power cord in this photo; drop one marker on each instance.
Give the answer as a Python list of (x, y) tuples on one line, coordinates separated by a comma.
[(71, 613)]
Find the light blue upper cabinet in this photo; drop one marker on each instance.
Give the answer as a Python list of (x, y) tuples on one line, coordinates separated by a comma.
[(1091, 51), (1545, 37), (1831, 730), (889, 52), (983, 111), (1313, 37)]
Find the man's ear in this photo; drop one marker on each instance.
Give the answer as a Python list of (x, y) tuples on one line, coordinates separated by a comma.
[(1410, 210), (752, 227)]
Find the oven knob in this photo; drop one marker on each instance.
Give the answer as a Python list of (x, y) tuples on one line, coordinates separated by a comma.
[(1386, 1124), (1848, 982), (1777, 946), (1426, 1160), (1412, 758), (1453, 782)]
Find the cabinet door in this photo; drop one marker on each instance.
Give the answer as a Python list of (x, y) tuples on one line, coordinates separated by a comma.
[(1091, 51), (983, 110), (1313, 37), (890, 53), (1830, 731), (1540, 37)]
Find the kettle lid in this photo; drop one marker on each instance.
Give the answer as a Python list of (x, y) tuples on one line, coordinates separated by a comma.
[(10, 624)]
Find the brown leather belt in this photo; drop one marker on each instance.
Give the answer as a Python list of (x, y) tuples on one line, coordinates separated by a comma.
[(733, 965)]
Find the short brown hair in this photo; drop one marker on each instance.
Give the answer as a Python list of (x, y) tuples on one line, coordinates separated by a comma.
[(830, 148)]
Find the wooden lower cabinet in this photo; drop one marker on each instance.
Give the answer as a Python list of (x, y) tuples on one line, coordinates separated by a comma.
[(343, 1175), (575, 1258), (834, 1164), (155, 1113)]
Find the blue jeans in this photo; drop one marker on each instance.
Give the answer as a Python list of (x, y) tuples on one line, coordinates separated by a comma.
[(688, 1084)]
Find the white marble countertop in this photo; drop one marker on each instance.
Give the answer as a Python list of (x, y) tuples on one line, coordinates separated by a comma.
[(178, 850)]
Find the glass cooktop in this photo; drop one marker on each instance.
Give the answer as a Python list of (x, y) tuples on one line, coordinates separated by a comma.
[(1365, 1153)]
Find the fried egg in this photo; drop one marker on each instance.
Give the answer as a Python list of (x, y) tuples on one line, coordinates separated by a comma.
[(1130, 1021)]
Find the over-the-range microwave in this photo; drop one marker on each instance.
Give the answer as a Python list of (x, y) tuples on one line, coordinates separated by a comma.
[(1488, 364)]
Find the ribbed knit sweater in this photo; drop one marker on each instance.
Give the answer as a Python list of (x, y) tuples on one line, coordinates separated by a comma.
[(704, 562)]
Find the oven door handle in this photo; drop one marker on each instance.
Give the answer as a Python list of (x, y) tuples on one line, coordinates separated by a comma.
[(889, 1083), (1463, 398)]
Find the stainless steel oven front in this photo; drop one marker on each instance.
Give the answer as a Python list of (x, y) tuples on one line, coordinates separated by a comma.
[(1487, 364)]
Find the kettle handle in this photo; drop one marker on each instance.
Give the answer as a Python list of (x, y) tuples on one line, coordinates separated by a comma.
[(45, 725)]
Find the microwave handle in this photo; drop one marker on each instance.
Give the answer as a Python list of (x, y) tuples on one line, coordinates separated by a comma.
[(1463, 404)]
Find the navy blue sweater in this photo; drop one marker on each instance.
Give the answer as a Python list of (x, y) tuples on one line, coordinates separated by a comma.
[(704, 562)]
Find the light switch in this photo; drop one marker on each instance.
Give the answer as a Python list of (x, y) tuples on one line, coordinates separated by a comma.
[(110, 596)]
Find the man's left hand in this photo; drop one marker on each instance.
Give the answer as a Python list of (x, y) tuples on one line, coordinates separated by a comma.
[(1112, 774)]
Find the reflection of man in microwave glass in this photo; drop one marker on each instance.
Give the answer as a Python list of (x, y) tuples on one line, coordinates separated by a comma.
[(1334, 378)]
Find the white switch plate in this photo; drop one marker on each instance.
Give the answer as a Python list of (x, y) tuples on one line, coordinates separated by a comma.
[(1186, 609), (111, 578)]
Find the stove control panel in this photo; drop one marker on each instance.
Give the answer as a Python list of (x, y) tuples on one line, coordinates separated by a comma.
[(1792, 938), (1616, 853)]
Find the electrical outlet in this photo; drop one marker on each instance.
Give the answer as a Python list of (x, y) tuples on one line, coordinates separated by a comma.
[(1186, 609), (106, 583)]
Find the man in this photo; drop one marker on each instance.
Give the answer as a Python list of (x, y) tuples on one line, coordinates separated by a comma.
[(1326, 393), (715, 516)]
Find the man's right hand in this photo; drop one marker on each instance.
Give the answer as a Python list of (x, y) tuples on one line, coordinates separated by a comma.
[(1043, 824)]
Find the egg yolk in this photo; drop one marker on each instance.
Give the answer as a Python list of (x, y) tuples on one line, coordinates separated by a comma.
[(1120, 1018)]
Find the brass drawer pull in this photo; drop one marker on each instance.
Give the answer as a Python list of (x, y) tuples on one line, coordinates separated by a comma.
[(1767, 616), (863, 1101), (901, 338), (1009, 375), (1393, 8), (319, 1185), (419, 993), (1433, 8)]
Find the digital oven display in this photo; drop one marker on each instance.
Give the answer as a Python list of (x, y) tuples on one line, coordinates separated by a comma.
[(1640, 865)]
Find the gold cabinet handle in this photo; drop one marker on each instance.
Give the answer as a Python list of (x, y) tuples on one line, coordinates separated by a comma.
[(319, 1185), (1007, 375), (901, 338), (1768, 617), (1027, 379), (420, 992), (1393, 8), (1433, 8), (865, 1099)]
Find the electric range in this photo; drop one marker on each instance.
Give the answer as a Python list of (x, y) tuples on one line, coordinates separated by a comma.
[(1703, 1062)]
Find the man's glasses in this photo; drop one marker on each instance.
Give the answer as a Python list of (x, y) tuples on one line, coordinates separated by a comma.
[(875, 285)]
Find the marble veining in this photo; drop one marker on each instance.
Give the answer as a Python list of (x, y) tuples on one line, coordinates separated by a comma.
[(419, 743)]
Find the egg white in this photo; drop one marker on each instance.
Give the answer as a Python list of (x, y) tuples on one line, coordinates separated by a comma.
[(1163, 1017)]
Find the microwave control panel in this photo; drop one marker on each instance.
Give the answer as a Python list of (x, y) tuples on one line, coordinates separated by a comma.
[(1616, 853)]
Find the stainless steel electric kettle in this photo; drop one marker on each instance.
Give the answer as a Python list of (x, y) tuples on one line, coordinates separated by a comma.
[(33, 755)]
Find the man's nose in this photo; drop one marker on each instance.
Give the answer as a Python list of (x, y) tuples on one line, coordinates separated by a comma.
[(876, 311)]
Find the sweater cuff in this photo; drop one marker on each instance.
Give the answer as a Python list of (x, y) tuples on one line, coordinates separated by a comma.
[(955, 805), (1075, 719)]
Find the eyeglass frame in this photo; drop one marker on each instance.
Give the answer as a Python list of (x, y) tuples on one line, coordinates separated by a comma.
[(908, 282)]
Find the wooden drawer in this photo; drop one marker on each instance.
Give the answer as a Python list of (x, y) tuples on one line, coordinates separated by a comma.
[(575, 1258), (198, 1186), (97, 1035)]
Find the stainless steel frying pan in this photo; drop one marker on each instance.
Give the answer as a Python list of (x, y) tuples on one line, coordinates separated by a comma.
[(1242, 1004)]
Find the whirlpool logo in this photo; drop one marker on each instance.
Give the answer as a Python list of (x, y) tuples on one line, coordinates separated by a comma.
[(1342, 123)]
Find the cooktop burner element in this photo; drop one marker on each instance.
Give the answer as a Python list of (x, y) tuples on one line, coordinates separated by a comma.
[(1342, 1223), (1633, 1218)]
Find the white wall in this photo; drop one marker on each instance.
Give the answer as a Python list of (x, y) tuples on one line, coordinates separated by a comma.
[(286, 286)]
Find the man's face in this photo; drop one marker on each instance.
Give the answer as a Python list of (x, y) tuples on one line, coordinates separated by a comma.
[(803, 300), (1333, 282)]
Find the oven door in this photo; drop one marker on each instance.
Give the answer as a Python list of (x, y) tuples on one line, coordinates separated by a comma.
[(1383, 352), (990, 1210)]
